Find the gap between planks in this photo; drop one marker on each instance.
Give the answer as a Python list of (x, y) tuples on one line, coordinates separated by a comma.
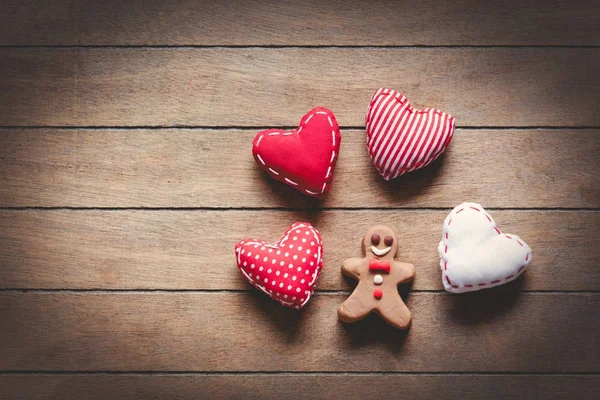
[(318, 292), (325, 292), (282, 127), (291, 373), (292, 209), (315, 46)]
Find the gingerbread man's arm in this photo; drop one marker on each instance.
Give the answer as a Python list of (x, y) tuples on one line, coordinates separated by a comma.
[(351, 267), (404, 272)]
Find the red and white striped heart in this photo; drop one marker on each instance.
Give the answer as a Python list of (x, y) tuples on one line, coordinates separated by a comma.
[(475, 254), (401, 139), (286, 270)]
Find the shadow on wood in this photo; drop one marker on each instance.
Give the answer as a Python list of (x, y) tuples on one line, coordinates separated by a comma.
[(475, 308), (285, 320), (370, 331), (412, 184), (373, 329), (283, 193)]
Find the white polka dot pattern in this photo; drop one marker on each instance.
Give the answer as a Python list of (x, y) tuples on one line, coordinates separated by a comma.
[(275, 281)]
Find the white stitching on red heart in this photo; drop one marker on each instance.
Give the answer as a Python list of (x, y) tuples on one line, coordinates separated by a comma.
[(302, 124), (276, 245)]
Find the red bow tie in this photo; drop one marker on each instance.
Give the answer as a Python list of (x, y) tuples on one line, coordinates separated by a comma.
[(379, 265)]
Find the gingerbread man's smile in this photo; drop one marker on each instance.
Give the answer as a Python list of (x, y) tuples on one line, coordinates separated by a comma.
[(380, 252)]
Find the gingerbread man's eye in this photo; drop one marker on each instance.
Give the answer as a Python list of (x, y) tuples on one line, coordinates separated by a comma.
[(375, 238), (388, 240)]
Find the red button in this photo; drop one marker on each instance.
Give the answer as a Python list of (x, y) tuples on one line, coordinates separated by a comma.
[(377, 293)]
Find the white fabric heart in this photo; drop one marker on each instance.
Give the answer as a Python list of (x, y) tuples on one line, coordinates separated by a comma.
[(475, 254)]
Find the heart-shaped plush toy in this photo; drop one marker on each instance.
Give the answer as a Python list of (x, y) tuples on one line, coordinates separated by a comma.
[(286, 270), (401, 139), (305, 158), (475, 254)]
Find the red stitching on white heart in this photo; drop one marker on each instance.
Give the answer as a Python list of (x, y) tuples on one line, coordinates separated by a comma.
[(333, 154), (512, 276)]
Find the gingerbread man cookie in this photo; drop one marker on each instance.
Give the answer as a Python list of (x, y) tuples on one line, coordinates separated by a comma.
[(378, 275)]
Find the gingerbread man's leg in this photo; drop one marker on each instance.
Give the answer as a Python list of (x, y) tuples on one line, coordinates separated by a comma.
[(395, 312), (354, 308)]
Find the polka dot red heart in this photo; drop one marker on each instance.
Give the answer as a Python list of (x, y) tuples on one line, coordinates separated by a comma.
[(286, 270)]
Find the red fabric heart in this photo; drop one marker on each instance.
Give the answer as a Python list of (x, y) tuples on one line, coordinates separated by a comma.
[(401, 139), (286, 270), (305, 158)]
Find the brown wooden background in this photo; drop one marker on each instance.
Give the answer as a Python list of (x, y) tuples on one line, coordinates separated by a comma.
[(126, 177)]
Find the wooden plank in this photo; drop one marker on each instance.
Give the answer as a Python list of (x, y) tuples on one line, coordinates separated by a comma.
[(252, 87), (491, 331), (207, 168), (301, 386), (259, 22), (194, 250)]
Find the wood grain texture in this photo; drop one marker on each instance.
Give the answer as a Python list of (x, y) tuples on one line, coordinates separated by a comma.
[(209, 168), (196, 329), (300, 386), (493, 331), (194, 249), (313, 22), (275, 87)]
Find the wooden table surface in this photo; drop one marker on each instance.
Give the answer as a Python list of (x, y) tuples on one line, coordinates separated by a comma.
[(126, 178)]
